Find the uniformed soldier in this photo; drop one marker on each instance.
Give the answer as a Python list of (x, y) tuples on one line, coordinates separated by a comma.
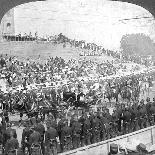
[(115, 121), (7, 132), (41, 129), (6, 116), (95, 129), (142, 111), (134, 117), (66, 137), (51, 136), (126, 121), (86, 128), (81, 120), (35, 140), (11, 145), (59, 129), (76, 133), (25, 137), (152, 113)]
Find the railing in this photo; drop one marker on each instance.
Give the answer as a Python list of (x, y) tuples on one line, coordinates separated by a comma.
[(145, 136)]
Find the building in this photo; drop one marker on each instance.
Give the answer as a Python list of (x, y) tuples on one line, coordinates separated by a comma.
[(7, 24)]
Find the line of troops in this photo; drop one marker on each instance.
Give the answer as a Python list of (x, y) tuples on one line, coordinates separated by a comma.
[(67, 134)]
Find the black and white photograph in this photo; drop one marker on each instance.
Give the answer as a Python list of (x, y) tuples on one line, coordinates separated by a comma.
[(77, 77)]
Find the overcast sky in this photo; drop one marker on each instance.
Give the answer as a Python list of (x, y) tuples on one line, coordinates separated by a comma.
[(98, 21)]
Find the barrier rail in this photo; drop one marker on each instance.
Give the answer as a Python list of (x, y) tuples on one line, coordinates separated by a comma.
[(145, 136)]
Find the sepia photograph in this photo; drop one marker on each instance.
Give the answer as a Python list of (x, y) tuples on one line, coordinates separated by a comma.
[(77, 77)]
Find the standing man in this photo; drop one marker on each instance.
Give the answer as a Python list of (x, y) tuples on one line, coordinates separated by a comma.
[(11, 145), (76, 133), (51, 136)]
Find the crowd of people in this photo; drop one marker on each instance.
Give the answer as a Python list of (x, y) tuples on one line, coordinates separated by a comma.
[(76, 130), (64, 96), (91, 127), (89, 49)]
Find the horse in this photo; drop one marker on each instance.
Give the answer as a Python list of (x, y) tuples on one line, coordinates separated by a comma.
[(46, 107), (112, 93), (23, 106), (69, 97)]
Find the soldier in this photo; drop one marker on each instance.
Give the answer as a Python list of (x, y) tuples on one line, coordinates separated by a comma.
[(86, 130), (25, 137), (6, 135), (6, 116), (142, 115), (11, 145), (66, 137), (51, 140), (152, 113), (95, 129), (59, 129), (41, 129), (51, 121), (148, 106), (76, 133), (126, 121), (81, 120), (35, 140), (115, 120), (134, 117)]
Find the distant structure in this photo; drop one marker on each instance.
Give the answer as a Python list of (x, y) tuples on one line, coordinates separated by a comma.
[(7, 24)]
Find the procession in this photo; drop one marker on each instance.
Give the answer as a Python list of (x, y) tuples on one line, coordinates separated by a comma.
[(66, 104)]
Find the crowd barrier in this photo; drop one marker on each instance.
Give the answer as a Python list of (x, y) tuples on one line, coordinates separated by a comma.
[(145, 136)]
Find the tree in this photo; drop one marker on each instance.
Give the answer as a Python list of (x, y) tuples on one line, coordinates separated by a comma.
[(138, 44)]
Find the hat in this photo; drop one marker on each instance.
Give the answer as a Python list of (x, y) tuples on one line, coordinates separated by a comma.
[(113, 148), (141, 147)]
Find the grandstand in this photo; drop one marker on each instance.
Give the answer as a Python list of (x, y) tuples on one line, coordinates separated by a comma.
[(45, 49)]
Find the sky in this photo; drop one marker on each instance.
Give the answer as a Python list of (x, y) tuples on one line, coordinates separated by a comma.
[(98, 21)]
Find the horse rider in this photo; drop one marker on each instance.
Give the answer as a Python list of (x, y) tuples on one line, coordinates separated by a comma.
[(25, 136), (51, 136), (12, 145)]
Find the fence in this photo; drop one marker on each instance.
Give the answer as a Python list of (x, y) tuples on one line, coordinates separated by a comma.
[(145, 136)]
